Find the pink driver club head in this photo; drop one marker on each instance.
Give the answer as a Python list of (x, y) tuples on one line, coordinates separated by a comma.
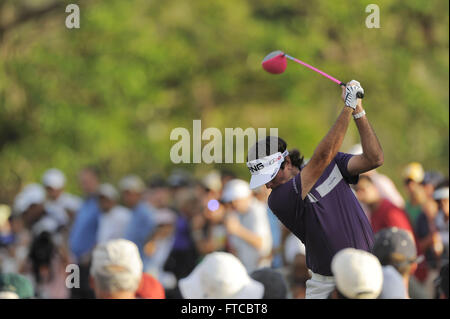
[(275, 62)]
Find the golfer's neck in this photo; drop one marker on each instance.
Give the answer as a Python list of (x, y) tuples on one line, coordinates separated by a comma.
[(294, 172)]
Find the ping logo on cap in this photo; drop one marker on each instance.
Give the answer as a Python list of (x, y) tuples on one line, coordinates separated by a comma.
[(255, 168)]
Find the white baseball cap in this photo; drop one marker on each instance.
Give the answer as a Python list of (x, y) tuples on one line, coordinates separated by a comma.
[(393, 286), (54, 178), (132, 183), (441, 193), (235, 189), (220, 275), (31, 194), (264, 169), (117, 255), (357, 273), (108, 191)]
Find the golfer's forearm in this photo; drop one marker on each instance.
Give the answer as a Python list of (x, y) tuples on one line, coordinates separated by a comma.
[(330, 144), (372, 150)]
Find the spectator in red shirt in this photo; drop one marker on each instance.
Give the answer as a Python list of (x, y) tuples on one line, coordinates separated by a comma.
[(383, 214)]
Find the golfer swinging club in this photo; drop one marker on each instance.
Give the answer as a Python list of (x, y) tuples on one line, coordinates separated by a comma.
[(314, 201)]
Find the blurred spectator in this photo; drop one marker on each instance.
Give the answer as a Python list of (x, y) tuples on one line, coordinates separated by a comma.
[(47, 265), (142, 223), (6, 234), (413, 175), (184, 255), (208, 227), (116, 270), (30, 205), (393, 287), (220, 275), (249, 229), (262, 194), (298, 273), (358, 275), (429, 242), (114, 218), (157, 250), (60, 205), (431, 180), (150, 288), (395, 247), (383, 214), (384, 184), (15, 286), (274, 284), (441, 196), (442, 283), (83, 234)]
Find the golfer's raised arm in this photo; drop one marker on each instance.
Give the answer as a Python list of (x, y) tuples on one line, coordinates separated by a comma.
[(372, 156), (330, 144)]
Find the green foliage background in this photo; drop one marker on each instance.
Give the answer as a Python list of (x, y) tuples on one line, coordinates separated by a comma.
[(110, 92)]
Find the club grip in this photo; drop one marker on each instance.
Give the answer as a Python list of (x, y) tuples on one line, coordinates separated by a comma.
[(359, 95)]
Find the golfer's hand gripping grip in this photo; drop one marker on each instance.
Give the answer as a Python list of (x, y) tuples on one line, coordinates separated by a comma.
[(359, 95)]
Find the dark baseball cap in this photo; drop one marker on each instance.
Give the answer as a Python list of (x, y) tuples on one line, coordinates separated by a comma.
[(395, 246), (17, 285), (275, 286)]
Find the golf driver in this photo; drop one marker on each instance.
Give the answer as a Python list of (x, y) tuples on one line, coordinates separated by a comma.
[(276, 63)]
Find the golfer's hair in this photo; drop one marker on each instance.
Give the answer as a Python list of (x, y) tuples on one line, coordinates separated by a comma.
[(271, 145)]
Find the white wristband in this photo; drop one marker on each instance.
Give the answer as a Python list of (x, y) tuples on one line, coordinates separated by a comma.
[(359, 115)]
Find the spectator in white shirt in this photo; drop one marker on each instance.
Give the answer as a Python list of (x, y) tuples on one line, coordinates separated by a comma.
[(114, 218)]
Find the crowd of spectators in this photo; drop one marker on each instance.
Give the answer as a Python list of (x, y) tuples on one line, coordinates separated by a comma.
[(213, 237)]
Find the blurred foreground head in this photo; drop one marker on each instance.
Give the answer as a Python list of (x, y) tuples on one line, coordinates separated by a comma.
[(358, 274), (15, 286), (220, 276), (394, 246), (116, 270), (275, 286)]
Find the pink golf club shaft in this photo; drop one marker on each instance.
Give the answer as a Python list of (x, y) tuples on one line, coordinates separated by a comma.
[(315, 69)]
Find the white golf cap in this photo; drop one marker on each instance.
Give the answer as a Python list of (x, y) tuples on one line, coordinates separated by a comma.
[(108, 191), (264, 169), (441, 193), (357, 273), (393, 286), (220, 275), (132, 183), (31, 194), (235, 189), (54, 178), (117, 255)]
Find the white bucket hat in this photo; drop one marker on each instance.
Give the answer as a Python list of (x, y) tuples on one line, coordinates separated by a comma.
[(264, 169), (220, 275), (358, 274)]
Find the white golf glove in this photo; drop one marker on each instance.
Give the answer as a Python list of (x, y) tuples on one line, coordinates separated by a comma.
[(351, 91)]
